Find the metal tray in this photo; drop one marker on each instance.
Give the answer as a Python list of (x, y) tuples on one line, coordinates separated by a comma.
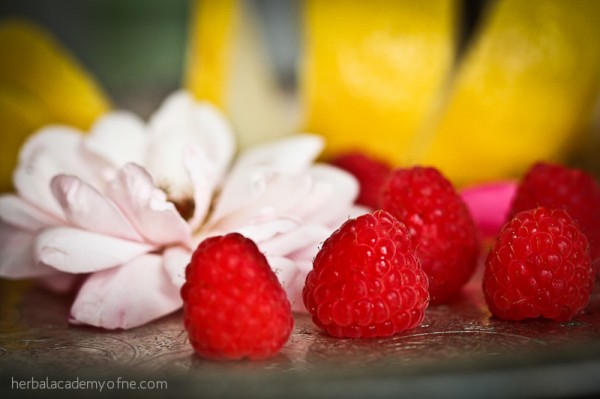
[(459, 351)]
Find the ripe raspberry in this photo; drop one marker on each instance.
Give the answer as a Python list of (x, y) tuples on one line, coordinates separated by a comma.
[(234, 306), (442, 228), (371, 173), (539, 266), (556, 186), (366, 281)]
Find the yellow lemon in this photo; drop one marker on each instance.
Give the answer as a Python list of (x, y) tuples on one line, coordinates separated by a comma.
[(228, 64), (39, 84), (524, 92), (373, 71)]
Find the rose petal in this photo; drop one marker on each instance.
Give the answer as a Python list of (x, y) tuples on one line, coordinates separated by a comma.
[(147, 208), (343, 191), (490, 204), (16, 212), (270, 196), (86, 208), (127, 296), (200, 121), (287, 273), (118, 137), (175, 260), (295, 240), (204, 178), (74, 250), (291, 155), (264, 165), (32, 181), (263, 231), (63, 145), (16, 254), (178, 124)]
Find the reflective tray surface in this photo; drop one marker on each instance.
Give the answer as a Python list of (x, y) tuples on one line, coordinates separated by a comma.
[(459, 351)]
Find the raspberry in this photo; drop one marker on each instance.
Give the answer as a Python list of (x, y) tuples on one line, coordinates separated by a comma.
[(234, 306), (442, 228), (366, 281), (556, 186), (371, 173), (539, 267)]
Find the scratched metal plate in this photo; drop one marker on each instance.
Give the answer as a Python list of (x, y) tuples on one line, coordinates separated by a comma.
[(459, 351)]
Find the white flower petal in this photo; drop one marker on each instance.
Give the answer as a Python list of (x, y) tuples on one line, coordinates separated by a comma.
[(79, 251), (16, 212), (296, 240), (259, 232), (118, 137), (147, 208), (204, 179), (287, 273), (342, 194), (179, 123), (175, 260), (88, 209), (127, 296), (32, 181), (264, 195), (292, 154), (277, 168), (63, 145), (16, 254)]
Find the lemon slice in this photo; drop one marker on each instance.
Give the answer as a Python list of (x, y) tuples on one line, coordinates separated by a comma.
[(373, 71), (228, 64), (39, 84), (524, 92)]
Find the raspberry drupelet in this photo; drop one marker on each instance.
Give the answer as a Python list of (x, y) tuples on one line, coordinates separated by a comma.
[(540, 266), (366, 280)]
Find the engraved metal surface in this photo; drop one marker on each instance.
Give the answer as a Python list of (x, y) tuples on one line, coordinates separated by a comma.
[(459, 341)]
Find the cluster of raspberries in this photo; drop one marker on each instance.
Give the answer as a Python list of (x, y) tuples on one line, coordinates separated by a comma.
[(377, 274)]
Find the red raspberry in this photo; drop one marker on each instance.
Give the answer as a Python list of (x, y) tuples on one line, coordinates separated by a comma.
[(234, 306), (371, 173), (366, 281), (442, 228), (556, 186), (539, 266)]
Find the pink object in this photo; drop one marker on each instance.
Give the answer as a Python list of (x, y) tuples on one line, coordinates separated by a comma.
[(489, 204), (104, 204)]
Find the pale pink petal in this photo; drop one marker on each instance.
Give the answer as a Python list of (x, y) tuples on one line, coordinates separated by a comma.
[(489, 204), (261, 231), (88, 209), (295, 240), (147, 208), (17, 254), (118, 137), (180, 123), (201, 122), (342, 191), (74, 250), (262, 166), (288, 275), (64, 146), (32, 181), (269, 196), (204, 177), (293, 154), (175, 260), (16, 212), (127, 296)]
